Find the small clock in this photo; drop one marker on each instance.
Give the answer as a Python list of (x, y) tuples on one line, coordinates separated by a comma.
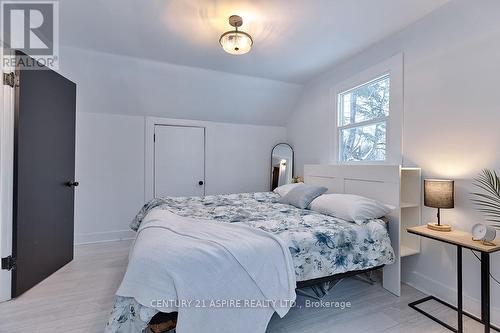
[(483, 233)]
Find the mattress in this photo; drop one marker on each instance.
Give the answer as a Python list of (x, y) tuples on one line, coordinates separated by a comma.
[(320, 245)]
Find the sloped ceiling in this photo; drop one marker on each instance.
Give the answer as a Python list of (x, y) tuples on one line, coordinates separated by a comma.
[(294, 40), (108, 83)]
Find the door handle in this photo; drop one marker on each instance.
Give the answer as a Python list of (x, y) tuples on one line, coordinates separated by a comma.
[(72, 183), (201, 183)]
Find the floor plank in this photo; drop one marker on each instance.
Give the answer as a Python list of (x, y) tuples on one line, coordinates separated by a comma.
[(79, 297)]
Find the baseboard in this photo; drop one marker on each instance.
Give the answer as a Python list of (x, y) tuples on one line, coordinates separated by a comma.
[(99, 237), (430, 286)]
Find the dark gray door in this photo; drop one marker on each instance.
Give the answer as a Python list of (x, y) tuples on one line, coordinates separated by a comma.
[(44, 171)]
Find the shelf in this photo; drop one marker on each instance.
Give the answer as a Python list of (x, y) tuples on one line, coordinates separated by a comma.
[(406, 251), (409, 205)]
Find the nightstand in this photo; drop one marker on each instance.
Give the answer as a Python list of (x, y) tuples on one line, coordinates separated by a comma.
[(461, 240)]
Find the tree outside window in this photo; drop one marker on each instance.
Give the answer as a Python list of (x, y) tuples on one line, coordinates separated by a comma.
[(363, 114)]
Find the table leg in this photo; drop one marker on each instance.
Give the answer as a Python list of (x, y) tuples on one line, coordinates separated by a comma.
[(460, 328), (485, 291)]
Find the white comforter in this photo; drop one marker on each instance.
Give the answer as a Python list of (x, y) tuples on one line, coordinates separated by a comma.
[(220, 277)]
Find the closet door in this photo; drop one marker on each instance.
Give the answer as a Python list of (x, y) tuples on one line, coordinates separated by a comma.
[(179, 161), (44, 171)]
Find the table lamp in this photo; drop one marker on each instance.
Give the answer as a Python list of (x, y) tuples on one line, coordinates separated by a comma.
[(439, 193)]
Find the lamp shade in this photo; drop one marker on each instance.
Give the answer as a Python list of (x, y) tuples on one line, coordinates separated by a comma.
[(439, 193), (236, 42)]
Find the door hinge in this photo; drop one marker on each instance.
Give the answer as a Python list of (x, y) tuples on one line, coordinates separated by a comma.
[(9, 79), (154, 137), (9, 263)]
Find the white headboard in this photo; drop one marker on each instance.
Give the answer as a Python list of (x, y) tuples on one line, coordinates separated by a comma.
[(379, 182)]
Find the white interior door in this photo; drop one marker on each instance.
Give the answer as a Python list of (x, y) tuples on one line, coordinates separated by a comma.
[(179, 161)]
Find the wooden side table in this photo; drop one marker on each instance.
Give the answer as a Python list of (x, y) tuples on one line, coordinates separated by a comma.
[(461, 240)]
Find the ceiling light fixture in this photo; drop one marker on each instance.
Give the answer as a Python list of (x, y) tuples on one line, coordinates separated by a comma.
[(235, 41)]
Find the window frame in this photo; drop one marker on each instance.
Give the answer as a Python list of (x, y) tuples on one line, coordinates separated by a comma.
[(392, 67), (364, 123)]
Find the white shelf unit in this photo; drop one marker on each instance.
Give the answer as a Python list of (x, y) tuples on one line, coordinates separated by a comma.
[(410, 209), (394, 185)]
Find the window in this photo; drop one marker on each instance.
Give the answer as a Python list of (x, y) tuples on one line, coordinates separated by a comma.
[(363, 114)]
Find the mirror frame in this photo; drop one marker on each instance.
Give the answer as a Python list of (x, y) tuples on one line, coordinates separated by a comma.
[(293, 162)]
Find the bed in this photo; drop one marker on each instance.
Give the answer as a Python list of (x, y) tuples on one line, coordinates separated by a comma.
[(321, 246)]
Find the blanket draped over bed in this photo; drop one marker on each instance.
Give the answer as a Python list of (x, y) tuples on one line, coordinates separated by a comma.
[(320, 245), (209, 272)]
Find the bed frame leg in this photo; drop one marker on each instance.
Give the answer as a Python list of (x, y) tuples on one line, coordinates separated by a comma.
[(366, 277), (319, 290)]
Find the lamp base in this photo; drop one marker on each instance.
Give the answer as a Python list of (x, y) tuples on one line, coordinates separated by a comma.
[(436, 227)]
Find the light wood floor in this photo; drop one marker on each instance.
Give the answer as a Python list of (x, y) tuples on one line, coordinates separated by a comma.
[(78, 298)]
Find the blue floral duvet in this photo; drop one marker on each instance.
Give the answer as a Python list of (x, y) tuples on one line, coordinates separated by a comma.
[(320, 245)]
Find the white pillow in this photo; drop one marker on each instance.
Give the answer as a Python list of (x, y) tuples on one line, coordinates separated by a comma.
[(350, 207), (284, 189)]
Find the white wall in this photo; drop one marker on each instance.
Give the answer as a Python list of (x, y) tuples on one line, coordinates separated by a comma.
[(451, 124), (238, 157), (110, 169), (110, 166), (130, 86), (115, 94)]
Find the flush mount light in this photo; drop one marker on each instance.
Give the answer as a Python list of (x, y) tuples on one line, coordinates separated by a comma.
[(235, 41)]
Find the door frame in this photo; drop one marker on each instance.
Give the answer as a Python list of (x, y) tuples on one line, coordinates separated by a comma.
[(149, 158), (6, 180)]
